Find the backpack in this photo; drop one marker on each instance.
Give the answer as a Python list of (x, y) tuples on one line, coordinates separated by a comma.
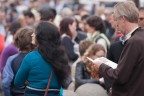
[(102, 36)]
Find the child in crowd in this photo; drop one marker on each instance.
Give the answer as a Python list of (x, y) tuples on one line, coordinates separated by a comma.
[(22, 41), (84, 72)]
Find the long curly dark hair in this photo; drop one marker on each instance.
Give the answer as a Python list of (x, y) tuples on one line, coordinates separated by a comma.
[(49, 46)]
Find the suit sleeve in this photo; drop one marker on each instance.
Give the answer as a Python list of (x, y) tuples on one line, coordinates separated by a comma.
[(126, 65)]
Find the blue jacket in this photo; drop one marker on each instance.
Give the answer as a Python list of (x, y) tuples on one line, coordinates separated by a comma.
[(36, 71), (7, 75)]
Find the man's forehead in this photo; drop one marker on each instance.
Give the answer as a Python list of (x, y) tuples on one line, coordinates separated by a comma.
[(114, 16)]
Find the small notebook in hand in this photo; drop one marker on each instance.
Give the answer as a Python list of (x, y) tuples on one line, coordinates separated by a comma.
[(105, 61), (109, 62)]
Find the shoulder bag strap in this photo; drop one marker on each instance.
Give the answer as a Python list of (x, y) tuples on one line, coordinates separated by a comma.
[(46, 91)]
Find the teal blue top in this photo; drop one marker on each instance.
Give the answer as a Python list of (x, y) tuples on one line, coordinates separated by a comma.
[(36, 71)]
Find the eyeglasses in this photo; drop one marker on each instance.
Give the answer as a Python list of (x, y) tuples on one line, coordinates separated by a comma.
[(141, 18)]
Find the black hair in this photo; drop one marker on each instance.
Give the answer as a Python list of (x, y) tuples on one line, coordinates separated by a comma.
[(97, 23), (28, 13), (15, 25), (51, 49), (64, 26), (47, 14), (84, 17)]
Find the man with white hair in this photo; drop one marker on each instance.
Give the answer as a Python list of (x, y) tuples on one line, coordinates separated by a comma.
[(127, 79)]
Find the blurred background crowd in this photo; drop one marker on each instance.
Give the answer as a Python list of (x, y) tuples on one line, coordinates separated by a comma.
[(93, 21)]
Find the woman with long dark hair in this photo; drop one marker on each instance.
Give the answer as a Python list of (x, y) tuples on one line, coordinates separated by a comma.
[(38, 66)]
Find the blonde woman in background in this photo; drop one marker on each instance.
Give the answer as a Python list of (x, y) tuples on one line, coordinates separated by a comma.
[(84, 73)]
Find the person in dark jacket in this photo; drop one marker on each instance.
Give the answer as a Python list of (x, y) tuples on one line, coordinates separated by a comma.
[(83, 45), (116, 47), (68, 35), (84, 74), (127, 78), (115, 51), (81, 35)]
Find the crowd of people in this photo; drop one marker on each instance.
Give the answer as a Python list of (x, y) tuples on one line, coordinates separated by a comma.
[(44, 47)]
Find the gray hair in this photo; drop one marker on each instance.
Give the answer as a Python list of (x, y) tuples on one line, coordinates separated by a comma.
[(127, 9), (141, 9)]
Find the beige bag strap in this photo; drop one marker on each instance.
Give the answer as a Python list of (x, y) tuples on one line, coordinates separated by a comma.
[(49, 81)]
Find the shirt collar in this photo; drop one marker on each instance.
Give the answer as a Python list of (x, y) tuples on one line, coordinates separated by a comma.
[(127, 36)]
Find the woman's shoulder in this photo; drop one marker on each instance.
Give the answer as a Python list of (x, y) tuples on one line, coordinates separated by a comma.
[(11, 58), (33, 55), (66, 38)]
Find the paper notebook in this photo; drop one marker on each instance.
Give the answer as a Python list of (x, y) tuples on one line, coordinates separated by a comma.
[(105, 61)]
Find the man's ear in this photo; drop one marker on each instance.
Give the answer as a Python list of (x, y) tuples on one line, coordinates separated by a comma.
[(123, 19)]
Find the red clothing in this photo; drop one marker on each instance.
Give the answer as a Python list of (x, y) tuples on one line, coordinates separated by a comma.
[(119, 35), (2, 42)]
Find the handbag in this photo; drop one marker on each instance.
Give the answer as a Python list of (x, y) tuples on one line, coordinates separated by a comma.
[(46, 91)]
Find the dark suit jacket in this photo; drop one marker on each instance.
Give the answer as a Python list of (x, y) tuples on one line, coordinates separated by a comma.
[(114, 51), (128, 77), (80, 36)]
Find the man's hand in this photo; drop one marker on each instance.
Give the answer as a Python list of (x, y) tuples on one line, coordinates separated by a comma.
[(97, 62)]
